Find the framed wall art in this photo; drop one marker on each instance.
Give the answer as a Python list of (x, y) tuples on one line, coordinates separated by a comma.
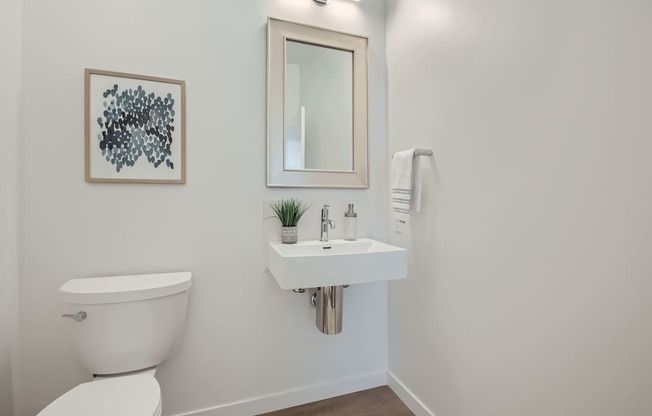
[(135, 128)]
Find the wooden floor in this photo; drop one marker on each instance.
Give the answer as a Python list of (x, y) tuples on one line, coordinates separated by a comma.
[(380, 401)]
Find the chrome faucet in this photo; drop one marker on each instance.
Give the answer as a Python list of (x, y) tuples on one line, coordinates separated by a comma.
[(325, 222)]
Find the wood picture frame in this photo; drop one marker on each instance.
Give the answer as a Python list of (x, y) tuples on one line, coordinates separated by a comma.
[(135, 128)]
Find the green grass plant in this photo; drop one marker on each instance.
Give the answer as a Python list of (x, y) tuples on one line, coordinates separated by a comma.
[(289, 211)]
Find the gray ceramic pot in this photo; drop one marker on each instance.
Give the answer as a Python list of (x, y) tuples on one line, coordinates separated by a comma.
[(289, 235)]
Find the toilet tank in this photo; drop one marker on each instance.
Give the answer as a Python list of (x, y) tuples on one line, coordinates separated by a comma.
[(131, 323)]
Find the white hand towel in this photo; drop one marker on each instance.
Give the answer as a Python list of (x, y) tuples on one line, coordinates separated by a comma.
[(406, 185)]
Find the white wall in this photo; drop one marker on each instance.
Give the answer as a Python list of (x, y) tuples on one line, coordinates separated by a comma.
[(529, 285), (245, 337), (10, 31)]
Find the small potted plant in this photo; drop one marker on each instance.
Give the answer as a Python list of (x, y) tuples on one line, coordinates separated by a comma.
[(289, 212)]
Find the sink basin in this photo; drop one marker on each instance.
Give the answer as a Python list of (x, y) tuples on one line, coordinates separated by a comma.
[(308, 264)]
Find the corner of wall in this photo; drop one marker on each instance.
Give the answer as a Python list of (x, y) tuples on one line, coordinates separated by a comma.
[(10, 44)]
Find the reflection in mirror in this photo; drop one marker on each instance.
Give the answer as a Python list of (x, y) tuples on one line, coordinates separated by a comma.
[(318, 108)]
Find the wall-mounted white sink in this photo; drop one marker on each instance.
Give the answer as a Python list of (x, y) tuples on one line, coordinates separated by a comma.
[(309, 264)]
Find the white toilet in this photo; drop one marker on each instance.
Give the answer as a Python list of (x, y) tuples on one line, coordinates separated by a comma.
[(122, 327)]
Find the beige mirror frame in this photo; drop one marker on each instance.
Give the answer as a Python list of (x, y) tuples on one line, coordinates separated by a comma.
[(279, 32)]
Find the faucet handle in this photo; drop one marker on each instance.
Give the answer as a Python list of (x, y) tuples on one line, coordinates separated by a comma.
[(326, 206)]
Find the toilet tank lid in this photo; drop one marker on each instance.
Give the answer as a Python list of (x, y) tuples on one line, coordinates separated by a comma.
[(114, 289)]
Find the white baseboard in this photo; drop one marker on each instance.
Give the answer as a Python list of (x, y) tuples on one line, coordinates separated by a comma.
[(295, 397), (407, 397)]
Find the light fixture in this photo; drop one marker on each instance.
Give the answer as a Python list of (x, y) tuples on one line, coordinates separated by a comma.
[(325, 2)]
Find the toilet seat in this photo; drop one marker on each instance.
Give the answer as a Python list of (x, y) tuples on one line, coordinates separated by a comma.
[(131, 395)]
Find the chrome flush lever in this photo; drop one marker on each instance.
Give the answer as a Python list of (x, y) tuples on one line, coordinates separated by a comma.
[(78, 317)]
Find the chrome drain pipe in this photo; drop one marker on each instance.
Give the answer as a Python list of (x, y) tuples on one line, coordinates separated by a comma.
[(328, 301)]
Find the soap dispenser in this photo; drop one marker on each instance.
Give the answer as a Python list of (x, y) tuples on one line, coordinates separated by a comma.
[(350, 224)]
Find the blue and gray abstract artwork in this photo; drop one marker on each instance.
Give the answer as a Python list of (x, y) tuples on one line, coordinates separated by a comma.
[(136, 124)]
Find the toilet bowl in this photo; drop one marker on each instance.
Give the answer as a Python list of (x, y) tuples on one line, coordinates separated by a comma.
[(136, 394), (122, 327)]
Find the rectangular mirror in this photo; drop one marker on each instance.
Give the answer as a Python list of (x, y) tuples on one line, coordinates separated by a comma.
[(317, 107)]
